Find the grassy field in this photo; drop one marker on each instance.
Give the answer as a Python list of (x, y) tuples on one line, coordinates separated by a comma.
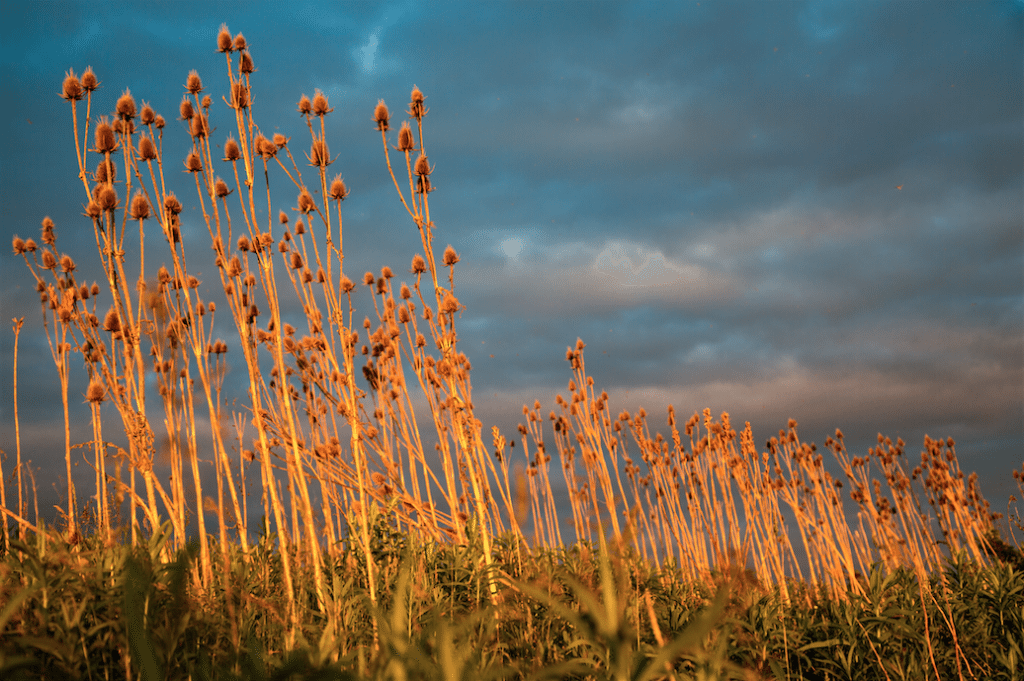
[(394, 536)]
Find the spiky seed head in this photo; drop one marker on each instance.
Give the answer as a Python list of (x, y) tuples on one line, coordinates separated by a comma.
[(198, 126), (194, 83), (280, 141), (264, 147), (224, 39), (72, 89), (338, 189), (96, 392), (126, 106), (304, 105), (296, 260), (405, 292), (320, 104), (419, 266), (386, 273), (245, 64), (346, 284), (231, 150), (30, 246), (162, 275), (147, 149), (105, 172), (319, 154), (282, 217), (123, 127), (92, 210), (206, 102), (159, 123), (282, 246), (405, 141), (105, 140), (422, 166), (171, 204), (48, 236), (450, 304), (18, 245), (89, 82), (192, 163), (220, 188), (185, 109), (300, 227), (382, 116), (112, 322), (239, 43), (306, 203), (83, 292), (369, 279), (416, 109), (239, 95), (450, 256), (147, 115), (107, 199), (243, 244), (140, 207), (67, 265)]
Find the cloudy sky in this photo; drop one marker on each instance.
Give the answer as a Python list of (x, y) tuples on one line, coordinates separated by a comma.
[(807, 210)]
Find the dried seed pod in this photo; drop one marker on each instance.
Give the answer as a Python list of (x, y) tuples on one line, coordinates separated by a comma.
[(89, 81), (193, 83), (405, 140), (126, 106), (381, 116), (419, 266), (185, 109), (319, 154), (304, 105), (245, 64), (338, 189), (320, 104), (239, 43), (192, 163), (220, 188), (72, 89), (224, 39), (450, 256), (306, 203), (105, 140), (231, 150), (416, 109), (147, 148), (171, 204), (239, 95)]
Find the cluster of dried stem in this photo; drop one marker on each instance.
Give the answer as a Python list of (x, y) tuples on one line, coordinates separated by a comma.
[(331, 424)]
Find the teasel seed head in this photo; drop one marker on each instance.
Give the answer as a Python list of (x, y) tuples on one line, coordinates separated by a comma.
[(147, 148), (282, 246), (450, 256), (239, 95), (231, 150), (419, 266), (239, 43), (346, 284), (416, 109), (18, 245), (405, 141), (320, 104), (264, 147), (107, 199), (30, 246), (404, 292), (338, 190), (159, 122), (300, 227), (192, 163), (89, 82), (106, 142), (297, 261), (280, 141), (83, 292), (224, 39), (105, 172), (319, 154), (382, 116), (185, 109), (450, 304), (243, 244), (304, 105), (72, 90), (96, 392), (126, 106), (306, 203), (171, 204), (369, 279), (422, 167), (47, 231), (67, 265), (245, 64), (220, 188), (194, 83), (92, 210), (112, 321), (198, 126)]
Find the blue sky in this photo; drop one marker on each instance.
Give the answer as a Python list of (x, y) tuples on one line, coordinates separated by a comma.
[(807, 210)]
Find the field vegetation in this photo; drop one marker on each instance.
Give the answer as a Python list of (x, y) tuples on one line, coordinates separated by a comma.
[(395, 536)]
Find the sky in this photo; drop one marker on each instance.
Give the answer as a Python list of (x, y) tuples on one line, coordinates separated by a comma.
[(791, 209)]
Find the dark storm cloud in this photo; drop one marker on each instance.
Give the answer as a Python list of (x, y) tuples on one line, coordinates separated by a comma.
[(777, 209)]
